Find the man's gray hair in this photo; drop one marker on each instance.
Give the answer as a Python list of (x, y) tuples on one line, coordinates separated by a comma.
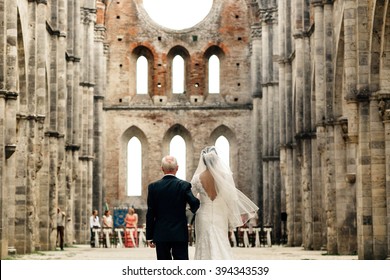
[(169, 163)]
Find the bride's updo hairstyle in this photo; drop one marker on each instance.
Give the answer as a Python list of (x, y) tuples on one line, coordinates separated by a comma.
[(208, 154)]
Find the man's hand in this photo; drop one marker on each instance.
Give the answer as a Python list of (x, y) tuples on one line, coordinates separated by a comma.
[(151, 244)]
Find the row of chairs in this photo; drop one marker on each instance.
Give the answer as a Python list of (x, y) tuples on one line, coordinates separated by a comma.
[(109, 237), (251, 237), (242, 236), (239, 237)]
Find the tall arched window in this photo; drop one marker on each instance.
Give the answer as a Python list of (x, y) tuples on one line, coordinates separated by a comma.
[(134, 167), (142, 75), (177, 148), (214, 74), (223, 148), (178, 74)]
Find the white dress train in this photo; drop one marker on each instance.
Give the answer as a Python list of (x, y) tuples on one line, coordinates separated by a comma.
[(211, 226)]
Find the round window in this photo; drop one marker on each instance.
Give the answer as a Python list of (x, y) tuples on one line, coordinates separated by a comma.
[(177, 14)]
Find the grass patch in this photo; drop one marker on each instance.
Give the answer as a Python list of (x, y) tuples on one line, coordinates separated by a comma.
[(18, 256)]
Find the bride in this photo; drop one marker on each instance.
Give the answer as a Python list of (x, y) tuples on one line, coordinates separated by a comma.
[(222, 207)]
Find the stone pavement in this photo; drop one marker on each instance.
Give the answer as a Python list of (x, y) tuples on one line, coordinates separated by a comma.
[(85, 252)]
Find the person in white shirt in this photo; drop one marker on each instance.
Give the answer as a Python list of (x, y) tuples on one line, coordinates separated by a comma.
[(94, 223)]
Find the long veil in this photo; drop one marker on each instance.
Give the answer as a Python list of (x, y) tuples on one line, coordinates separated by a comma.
[(241, 208)]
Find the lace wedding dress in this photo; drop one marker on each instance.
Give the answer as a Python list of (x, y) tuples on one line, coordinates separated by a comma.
[(211, 226), (221, 206)]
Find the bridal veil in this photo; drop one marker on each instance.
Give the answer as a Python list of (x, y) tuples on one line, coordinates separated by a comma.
[(241, 208)]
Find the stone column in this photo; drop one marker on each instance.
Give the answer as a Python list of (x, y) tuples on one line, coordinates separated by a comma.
[(42, 219), (276, 128), (20, 180), (100, 77), (372, 163), (266, 110), (265, 168), (386, 121), (11, 96), (306, 137), (32, 219), (345, 192), (86, 122), (257, 181), (289, 155), (378, 181), (3, 189), (56, 101), (70, 146), (364, 184), (300, 195), (52, 155), (90, 112), (357, 114), (76, 135), (72, 128), (10, 163), (282, 41), (285, 112), (351, 112), (319, 152), (62, 103)]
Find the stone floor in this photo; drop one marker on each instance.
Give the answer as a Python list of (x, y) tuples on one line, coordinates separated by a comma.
[(85, 252), (82, 261)]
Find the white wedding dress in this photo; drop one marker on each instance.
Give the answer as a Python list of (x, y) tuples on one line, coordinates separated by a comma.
[(221, 206), (211, 226)]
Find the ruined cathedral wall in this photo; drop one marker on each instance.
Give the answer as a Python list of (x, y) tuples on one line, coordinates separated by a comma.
[(336, 194), (199, 128), (47, 120), (131, 33), (196, 115)]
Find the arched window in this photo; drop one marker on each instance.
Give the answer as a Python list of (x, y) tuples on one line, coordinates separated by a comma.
[(142, 75), (134, 167), (223, 148), (214, 74), (178, 74), (177, 148)]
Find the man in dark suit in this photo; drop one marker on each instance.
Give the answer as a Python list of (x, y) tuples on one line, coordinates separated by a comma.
[(166, 221)]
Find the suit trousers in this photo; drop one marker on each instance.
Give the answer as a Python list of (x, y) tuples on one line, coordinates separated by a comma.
[(60, 236), (172, 250)]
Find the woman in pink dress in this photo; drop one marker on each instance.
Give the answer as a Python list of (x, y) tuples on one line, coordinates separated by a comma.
[(131, 235)]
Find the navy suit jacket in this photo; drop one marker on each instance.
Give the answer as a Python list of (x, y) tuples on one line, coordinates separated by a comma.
[(166, 219)]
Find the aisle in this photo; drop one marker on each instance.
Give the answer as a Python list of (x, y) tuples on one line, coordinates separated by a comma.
[(84, 252)]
